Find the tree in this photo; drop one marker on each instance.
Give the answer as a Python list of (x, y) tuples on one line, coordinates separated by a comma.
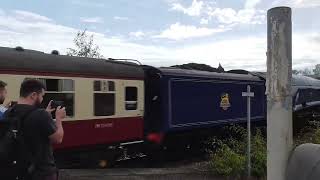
[(316, 70), (306, 72), (85, 47), (220, 68)]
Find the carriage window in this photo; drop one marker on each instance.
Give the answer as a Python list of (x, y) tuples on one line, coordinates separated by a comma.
[(103, 86), (104, 104), (104, 98), (58, 85), (67, 85), (59, 90), (66, 98), (97, 86), (111, 85), (131, 102)]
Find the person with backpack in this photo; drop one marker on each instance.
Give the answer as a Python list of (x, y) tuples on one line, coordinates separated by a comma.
[(34, 131), (3, 94)]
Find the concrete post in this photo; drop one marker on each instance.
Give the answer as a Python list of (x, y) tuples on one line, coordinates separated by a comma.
[(278, 90)]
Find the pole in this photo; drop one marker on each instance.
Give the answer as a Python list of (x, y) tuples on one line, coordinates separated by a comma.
[(249, 130), (278, 90), (248, 94)]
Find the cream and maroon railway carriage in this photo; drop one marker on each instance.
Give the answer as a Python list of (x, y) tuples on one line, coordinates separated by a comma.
[(104, 99)]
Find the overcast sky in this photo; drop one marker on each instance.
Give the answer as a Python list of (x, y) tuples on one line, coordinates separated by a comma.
[(163, 32)]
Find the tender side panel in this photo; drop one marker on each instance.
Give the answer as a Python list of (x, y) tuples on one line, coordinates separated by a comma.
[(202, 103)]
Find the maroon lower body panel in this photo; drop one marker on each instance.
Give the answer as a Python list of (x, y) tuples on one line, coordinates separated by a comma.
[(83, 133)]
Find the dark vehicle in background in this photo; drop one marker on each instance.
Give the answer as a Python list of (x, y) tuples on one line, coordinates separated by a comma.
[(306, 101)]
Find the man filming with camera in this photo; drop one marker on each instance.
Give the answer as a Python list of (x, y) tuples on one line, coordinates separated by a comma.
[(39, 131)]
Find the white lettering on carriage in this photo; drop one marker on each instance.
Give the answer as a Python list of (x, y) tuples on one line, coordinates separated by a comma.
[(103, 125)]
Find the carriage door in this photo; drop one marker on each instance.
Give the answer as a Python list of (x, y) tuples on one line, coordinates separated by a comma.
[(133, 98), (132, 109)]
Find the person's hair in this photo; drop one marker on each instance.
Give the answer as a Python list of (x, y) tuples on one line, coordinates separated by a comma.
[(30, 86), (2, 84)]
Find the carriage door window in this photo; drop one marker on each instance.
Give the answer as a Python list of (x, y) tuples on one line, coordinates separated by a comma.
[(104, 98), (131, 102), (61, 90)]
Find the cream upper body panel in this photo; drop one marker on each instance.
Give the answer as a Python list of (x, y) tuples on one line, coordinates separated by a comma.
[(84, 95)]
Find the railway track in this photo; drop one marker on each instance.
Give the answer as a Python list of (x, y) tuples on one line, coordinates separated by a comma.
[(169, 159)]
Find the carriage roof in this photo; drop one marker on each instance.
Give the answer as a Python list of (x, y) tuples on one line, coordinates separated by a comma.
[(12, 59), (206, 74)]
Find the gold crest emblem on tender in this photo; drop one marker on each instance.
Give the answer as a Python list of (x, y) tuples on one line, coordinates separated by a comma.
[(225, 102)]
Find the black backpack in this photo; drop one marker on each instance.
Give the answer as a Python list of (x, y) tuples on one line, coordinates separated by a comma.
[(15, 157)]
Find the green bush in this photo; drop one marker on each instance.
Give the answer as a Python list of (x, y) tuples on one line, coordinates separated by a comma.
[(309, 134), (227, 162), (229, 155), (259, 155), (228, 151)]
